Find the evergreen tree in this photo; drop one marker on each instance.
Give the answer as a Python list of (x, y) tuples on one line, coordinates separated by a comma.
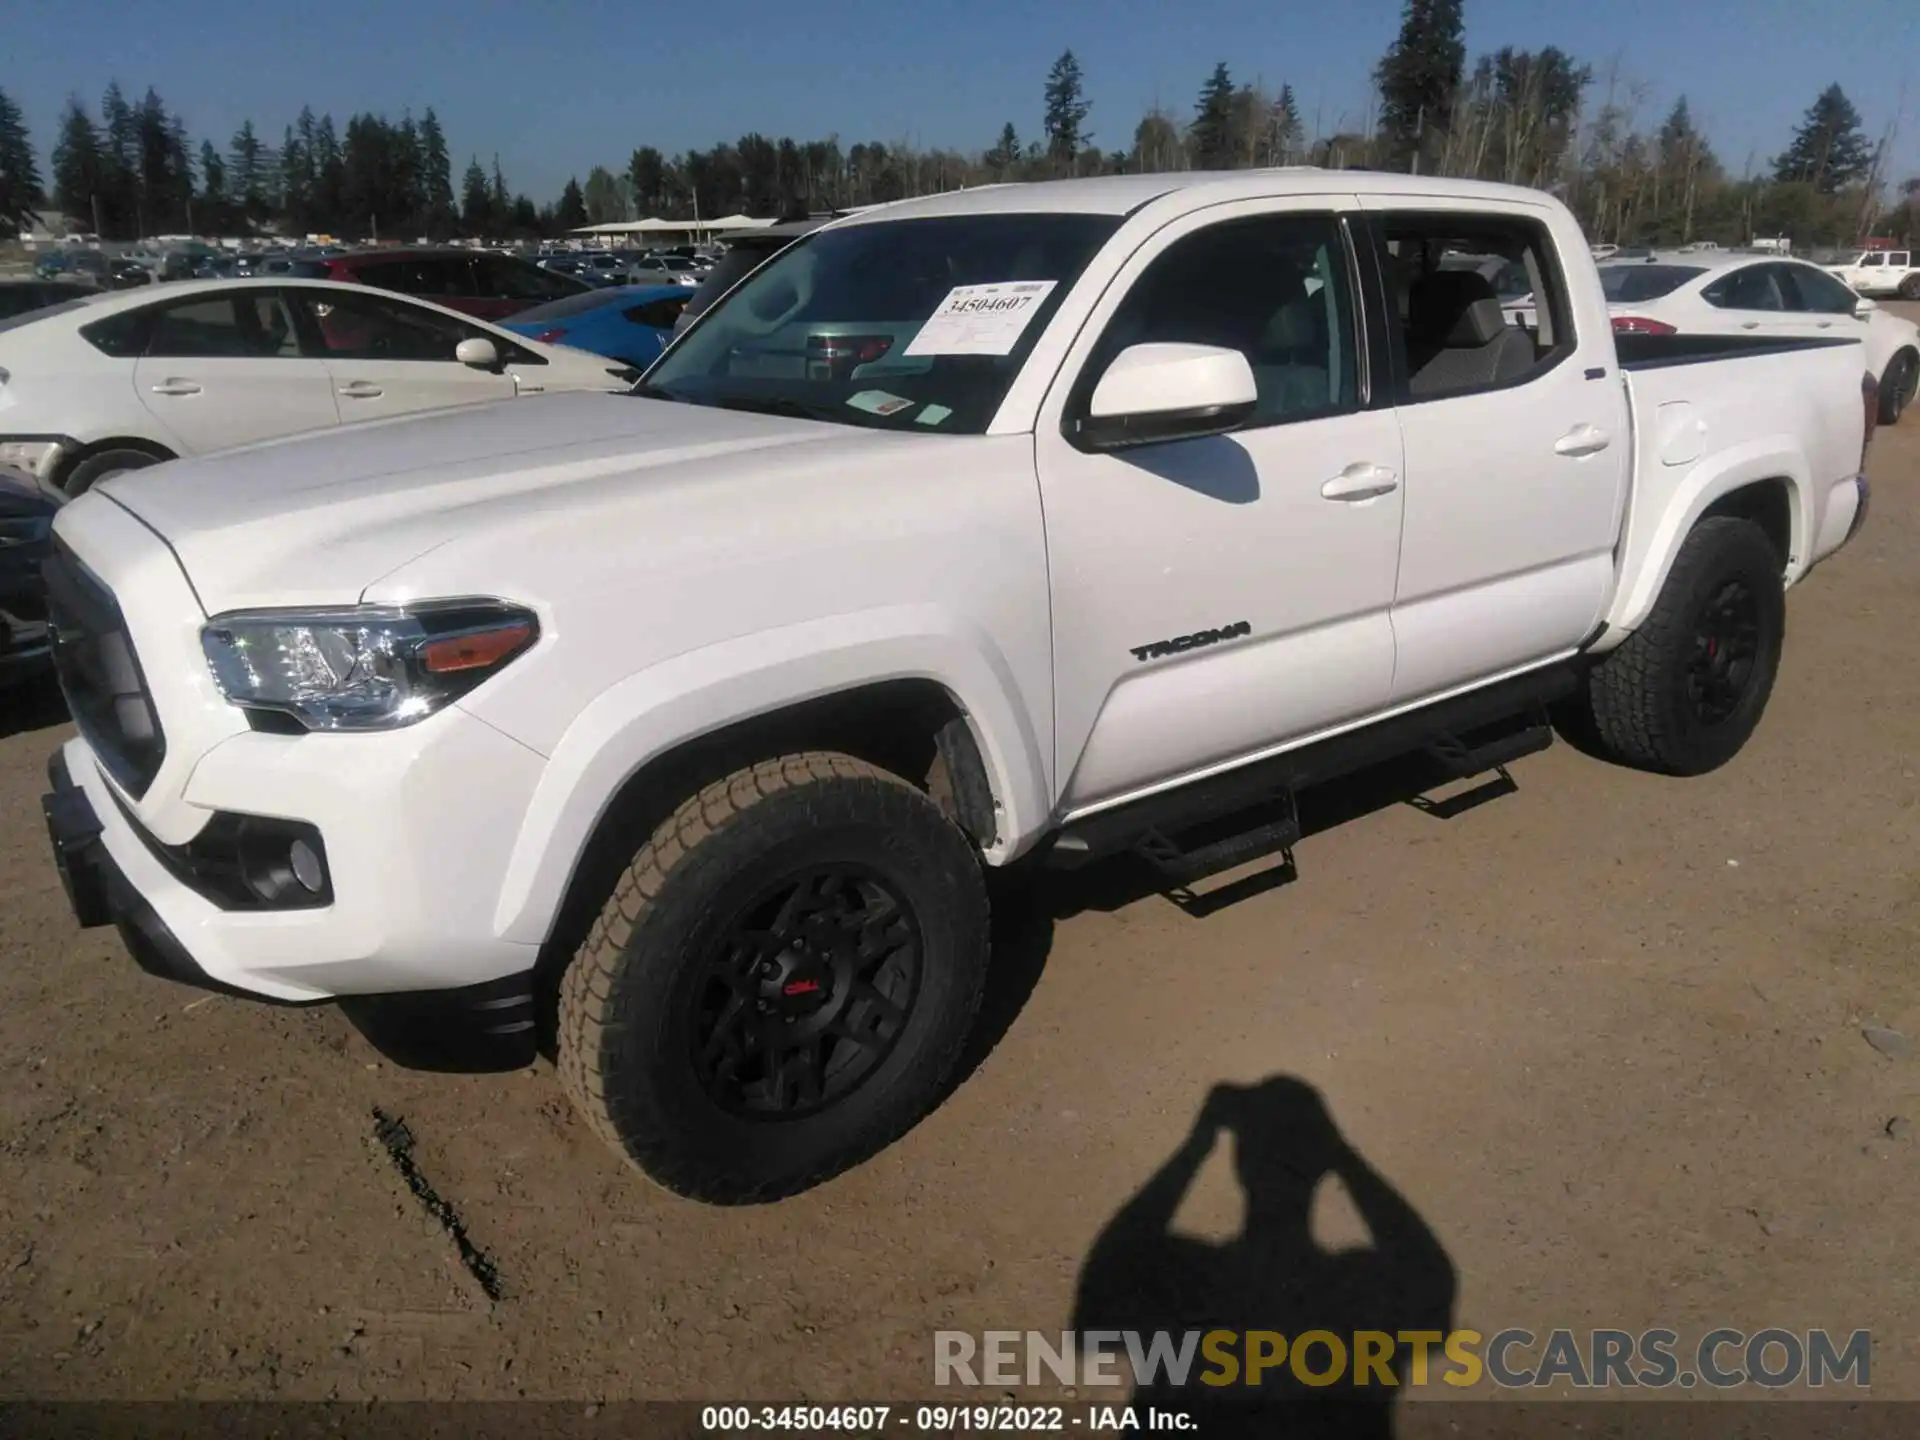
[(499, 203), (1285, 128), (1417, 79), (1211, 134), (436, 176), (1829, 150), (248, 171), (20, 191), (1067, 110), (476, 203), (571, 213), (120, 167), (1005, 154), (79, 167)]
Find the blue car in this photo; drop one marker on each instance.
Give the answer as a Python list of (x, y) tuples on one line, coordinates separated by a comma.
[(628, 323)]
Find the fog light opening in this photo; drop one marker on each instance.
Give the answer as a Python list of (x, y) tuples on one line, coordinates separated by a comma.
[(306, 867)]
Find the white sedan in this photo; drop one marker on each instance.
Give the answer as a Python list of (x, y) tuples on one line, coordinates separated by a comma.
[(120, 381), (1713, 294)]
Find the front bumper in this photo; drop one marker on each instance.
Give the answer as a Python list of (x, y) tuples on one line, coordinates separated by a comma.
[(416, 840)]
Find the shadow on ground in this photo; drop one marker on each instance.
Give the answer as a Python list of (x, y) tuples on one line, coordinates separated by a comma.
[(1274, 1276), (30, 702)]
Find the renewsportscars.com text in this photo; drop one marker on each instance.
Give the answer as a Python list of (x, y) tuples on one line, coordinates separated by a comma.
[(1513, 1359)]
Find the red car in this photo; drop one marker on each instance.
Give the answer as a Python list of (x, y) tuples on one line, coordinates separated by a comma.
[(475, 282)]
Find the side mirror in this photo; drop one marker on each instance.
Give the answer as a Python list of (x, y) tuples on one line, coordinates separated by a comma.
[(1158, 392), (1865, 306), (478, 353)]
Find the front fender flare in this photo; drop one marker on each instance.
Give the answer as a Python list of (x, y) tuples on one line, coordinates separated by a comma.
[(700, 692)]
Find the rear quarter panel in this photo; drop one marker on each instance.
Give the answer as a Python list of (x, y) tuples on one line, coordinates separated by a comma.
[(1704, 430)]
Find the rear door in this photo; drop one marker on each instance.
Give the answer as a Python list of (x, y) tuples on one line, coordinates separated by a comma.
[(228, 369), (384, 355), (1748, 300), (1517, 445)]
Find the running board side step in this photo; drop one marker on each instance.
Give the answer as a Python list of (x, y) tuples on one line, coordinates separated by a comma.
[(1467, 735)]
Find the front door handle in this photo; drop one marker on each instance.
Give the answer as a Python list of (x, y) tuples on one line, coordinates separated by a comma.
[(170, 386), (1582, 440), (362, 390), (1749, 324), (1361, 482)]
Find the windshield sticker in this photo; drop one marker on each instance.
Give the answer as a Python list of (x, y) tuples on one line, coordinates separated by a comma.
[(932, 415), (981, 319), (879, 402)]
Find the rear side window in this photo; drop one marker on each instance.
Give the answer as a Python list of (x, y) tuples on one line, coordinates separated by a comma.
[(254, 324), (1628, 284), (504, 278), (1458, 284), (122, 336), (427, 276)]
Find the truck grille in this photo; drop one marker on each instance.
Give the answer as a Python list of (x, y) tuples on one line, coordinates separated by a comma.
[(100, 675)]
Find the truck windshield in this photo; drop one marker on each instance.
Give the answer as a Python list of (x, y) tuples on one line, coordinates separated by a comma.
[(904, 324), (1626, 284)]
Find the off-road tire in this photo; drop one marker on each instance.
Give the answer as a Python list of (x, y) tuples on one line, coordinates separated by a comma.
[(1910, 288), (101, 466), (1637, 697), (623, 1058)]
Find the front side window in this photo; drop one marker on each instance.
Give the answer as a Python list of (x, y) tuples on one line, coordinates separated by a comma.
[(504, 278), (253, 324), (372, 327), (1873, 258), (1808, 289), (919, 325), (1447, 274), (1275, 288)]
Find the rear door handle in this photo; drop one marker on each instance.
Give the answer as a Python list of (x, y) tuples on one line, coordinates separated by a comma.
[(171, 386), (361, 390), (1582, 440), (1361, 482), (1749, 324)]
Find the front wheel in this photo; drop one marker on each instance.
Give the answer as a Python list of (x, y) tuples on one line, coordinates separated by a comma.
[(782, 981), (1897, 387), (1684, 692)]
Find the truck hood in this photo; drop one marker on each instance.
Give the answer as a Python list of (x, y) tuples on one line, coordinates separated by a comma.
[(319, 518)]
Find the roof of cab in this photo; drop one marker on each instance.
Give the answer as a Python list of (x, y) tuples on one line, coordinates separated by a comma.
[(1123, 194)]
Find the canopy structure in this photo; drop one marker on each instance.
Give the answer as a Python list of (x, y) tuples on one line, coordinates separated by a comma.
[(691, 228)]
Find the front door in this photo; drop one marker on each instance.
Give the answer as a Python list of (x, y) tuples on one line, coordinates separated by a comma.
[(226, 369), (1517, 448), (388, 356), (1218, 597)]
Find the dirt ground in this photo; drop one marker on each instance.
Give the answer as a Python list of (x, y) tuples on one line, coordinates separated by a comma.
[(1603, 1036)]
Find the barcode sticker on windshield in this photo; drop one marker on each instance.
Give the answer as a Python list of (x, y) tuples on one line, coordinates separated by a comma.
[(981, 319)]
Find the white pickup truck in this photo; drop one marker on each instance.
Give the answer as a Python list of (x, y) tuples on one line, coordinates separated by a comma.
[(1037, 522), (1880, 273)]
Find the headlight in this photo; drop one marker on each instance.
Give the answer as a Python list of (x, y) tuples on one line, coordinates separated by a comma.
[(36, 457), (366, 667)]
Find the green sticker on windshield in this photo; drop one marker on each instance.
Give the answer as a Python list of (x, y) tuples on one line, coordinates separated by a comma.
[(932, 415)]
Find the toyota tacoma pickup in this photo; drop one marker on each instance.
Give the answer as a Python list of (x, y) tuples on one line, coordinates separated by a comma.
[(1032, 523)]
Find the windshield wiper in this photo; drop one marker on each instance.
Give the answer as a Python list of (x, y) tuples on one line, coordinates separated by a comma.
[(781, 405)]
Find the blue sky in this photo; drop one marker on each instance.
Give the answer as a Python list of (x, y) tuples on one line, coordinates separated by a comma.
[(557, 86)]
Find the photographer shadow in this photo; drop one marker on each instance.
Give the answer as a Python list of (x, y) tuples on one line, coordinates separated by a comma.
[(1274, 1276)]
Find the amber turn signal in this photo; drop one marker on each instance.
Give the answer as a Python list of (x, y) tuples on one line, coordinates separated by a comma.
[(478, 650)]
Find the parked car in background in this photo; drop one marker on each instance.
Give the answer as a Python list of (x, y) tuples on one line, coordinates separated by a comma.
[(1881, 273), (118, 383), (26, 540), (88, 267), (20, 297), (628, 323), (665, 269), (743, 255), (126, 274), (1727, 294), (475, 282)]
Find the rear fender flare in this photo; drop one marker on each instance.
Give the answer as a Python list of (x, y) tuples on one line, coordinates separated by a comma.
[(1774, 458)]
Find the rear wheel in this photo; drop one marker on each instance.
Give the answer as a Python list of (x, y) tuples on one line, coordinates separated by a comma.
[(1897, 386), (103, 465), (1685, 691), (1910, 288), (782, 981)]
